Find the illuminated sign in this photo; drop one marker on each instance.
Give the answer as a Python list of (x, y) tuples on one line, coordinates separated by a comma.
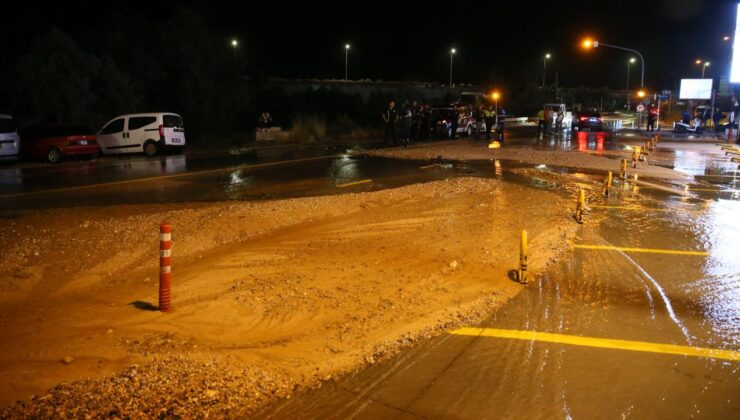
[(696, 89), (735, 69)]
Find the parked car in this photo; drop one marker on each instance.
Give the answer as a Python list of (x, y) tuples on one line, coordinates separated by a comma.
[(9, 140), (590, 120), (441, 117), (54, 142), (147, 133)]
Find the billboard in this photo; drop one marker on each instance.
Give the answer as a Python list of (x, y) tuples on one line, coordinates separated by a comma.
[(696, 89), (735, 69)]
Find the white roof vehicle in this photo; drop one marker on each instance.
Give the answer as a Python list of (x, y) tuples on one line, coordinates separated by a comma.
[(147, 133), (9, 141)]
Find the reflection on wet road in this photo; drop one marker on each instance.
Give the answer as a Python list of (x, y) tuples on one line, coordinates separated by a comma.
[(683, 305)]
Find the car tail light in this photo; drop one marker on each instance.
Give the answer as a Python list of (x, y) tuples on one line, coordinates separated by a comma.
[(601, 119), (161, 130), (584, 118)]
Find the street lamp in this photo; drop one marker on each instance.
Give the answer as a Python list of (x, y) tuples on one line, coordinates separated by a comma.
[(234, 43), (346, 54), (704, 68), (725, 38), (589, 43), (544, 68), (495, 96), (452, 54)]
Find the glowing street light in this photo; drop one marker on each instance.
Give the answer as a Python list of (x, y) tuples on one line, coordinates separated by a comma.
[(697, 62), (726, 38), (704, 68), (589, 43), (641, 93), (452, 54), (234, 43), (544, 68), (495, 95), (346, 54)]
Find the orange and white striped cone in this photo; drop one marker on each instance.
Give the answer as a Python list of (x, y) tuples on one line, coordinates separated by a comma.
[(165, 266)]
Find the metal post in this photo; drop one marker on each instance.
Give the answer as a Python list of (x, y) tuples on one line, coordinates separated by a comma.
[(642, 60), (657, 122), (627, 91), (544, 71), (346, 54), (451, 55)]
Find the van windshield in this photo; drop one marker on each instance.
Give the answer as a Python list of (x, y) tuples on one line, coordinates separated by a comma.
[(173, 121), (7, 125)]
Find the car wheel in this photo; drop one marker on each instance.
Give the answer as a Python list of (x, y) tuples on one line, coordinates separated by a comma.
[(54, 155), (469, 131), (150, 149)]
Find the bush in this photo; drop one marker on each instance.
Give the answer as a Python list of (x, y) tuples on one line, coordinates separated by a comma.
[(308, 129)]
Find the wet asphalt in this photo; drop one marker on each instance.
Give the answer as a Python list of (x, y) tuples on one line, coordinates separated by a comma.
[(674, 299)]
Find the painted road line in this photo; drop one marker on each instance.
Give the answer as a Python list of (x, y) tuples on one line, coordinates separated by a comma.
[(184, 174), (349, 184), (604, 343), (645, 250)]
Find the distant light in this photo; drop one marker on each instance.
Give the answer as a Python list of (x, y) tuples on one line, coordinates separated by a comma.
[(706, 64), (547, 55), (541, 166), (632, 60), (725, 38), (234, 43), (346, 46), (587, 43), (641, 94), (495, 96), (697, 61), (453, 51)]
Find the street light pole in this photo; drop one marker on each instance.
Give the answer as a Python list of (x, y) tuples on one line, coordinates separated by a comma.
[(452, 54), (627, 91), (346, 54), (703, 68), (597, 44), (544, 69)]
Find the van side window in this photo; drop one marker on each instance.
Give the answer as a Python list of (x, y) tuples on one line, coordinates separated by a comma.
[(115, 126), (138, 122), (172, 121)]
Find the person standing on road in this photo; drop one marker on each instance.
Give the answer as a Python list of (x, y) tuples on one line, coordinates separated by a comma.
[(548, 119), (716, 116), (426, 122), (490, 119), (500, 124), (559, 121), (651, 120), (540, 121), (390, 117), (408, 119), (454, 120)]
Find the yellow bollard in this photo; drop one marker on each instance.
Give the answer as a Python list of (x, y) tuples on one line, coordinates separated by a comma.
[(607, 184), (580, 207), (635, 155), (623, 169), (523, 258)]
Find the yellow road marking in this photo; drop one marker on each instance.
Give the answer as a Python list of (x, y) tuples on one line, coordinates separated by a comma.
[(349, 184), (646, 250), (604, 343), (184, 174)]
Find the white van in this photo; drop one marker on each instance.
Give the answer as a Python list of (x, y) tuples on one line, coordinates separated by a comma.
[(136, 133), (10, 143)]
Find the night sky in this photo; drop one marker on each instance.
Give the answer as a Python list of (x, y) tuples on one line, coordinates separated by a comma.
[(410, 40)]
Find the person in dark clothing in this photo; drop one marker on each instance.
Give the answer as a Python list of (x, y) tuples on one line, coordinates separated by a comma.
[(686, 116), (454, 119), (500, 124), (390, 117), (490, 119), (426, 122), (652, 114), (478, 116), (407, 121), (415, 123), (716, 116)]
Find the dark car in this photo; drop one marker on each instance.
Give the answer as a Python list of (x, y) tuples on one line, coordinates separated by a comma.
[(53, 142), (590, 120)]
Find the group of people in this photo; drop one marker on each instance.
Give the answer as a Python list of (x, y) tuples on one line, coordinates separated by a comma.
[(416, 121), (545, 117)]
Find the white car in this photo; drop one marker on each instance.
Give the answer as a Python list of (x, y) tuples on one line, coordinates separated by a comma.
[(568, 117), (142, 133), (10, 143)]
